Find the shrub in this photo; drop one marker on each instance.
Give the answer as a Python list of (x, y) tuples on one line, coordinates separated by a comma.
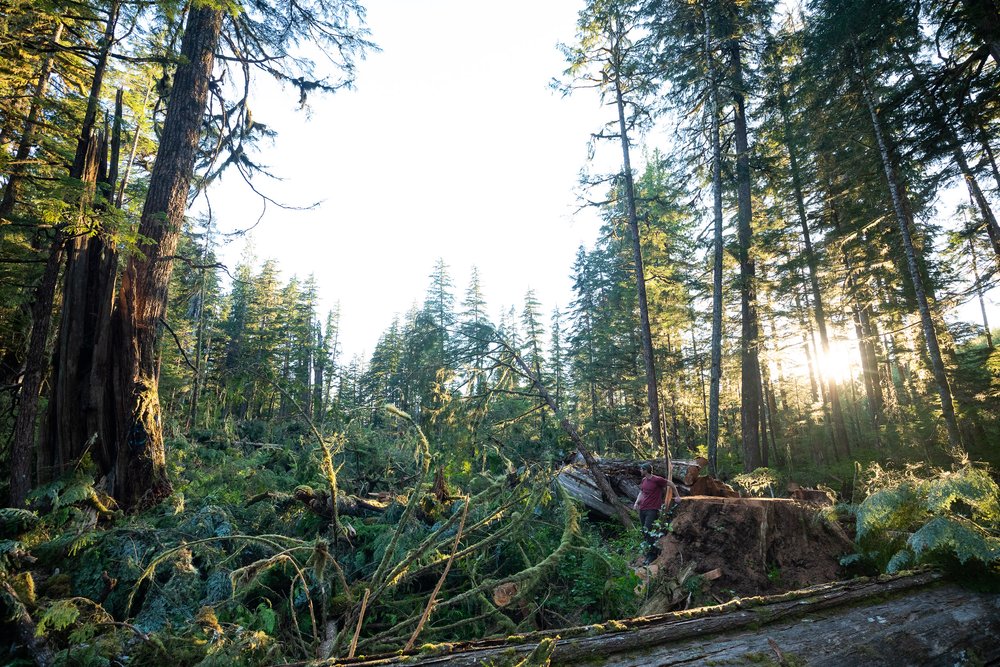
[(944, 517)]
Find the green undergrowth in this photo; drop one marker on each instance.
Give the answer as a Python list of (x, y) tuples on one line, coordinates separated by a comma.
[(232, 569), (920, 516)]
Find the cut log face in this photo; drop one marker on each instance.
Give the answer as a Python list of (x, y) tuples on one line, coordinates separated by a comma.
[(504, 593), (692, 475)]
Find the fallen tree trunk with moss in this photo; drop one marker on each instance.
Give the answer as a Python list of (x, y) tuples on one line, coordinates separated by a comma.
[(909, 619)]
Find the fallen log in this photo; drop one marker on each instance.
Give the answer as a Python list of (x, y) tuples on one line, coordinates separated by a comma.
[(815, 496), (318, 501), (709, 486), (624, 477), (909, 619)]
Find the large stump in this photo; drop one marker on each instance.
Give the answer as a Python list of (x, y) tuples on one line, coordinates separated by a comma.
[(754, 545)]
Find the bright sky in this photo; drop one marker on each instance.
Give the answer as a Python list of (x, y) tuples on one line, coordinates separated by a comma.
[(451, 146)]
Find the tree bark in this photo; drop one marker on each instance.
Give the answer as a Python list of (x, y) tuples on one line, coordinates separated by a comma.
[(88, 165), (140, 470), (22, 448), (869, 371), (652, 397), (852, 622), (750, 366), (715, 372), (979, 293), (79, 385)]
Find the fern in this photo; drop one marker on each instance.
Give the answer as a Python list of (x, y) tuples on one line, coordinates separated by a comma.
[(82, 542), (48, 492), (901, 560), (892, 509), (961, 538), (915, 519), (59, 616), (80, 488), (971, 486), (15, 522)]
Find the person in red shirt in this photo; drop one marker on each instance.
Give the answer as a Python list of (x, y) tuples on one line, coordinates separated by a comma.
[(651, 498)]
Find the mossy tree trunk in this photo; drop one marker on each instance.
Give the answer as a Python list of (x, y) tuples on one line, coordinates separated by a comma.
[(139, 470)]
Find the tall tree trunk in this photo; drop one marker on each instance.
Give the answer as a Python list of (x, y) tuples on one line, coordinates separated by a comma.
[(869, 372), (840, 440), (715, 372), (22, 448), (806, 331), (199, 345), (120, 195), (640, 275), (88, 167), (958, 154), (782, 395), (750, 383), (861, 309), (79, 384), (901, 208), (701, 367), (23, 445), (140, 467)]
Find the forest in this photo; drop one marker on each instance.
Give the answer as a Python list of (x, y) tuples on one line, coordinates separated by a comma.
[(799, 222)]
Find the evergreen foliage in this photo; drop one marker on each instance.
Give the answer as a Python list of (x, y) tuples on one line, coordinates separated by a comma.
[(911, 519)]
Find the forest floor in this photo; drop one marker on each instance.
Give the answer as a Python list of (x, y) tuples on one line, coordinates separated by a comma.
[(241, 564)]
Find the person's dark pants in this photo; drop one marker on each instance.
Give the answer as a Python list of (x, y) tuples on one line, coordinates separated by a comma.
[(647, 518)]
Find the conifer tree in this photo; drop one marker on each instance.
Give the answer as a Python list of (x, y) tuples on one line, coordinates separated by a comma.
[(612, 56)]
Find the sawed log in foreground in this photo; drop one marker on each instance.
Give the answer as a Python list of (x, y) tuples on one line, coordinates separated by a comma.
[(912, 619)]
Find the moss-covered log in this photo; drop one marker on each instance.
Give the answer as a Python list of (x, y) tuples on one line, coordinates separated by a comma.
[(319, 502), (910, 619)]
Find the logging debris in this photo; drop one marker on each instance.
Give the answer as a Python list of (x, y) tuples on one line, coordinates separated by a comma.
[(624, 476)]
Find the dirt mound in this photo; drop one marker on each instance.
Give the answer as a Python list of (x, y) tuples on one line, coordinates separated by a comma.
[(751, 546)]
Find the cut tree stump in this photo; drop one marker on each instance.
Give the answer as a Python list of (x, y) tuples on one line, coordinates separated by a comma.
[(914, 619), (759, 545)]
